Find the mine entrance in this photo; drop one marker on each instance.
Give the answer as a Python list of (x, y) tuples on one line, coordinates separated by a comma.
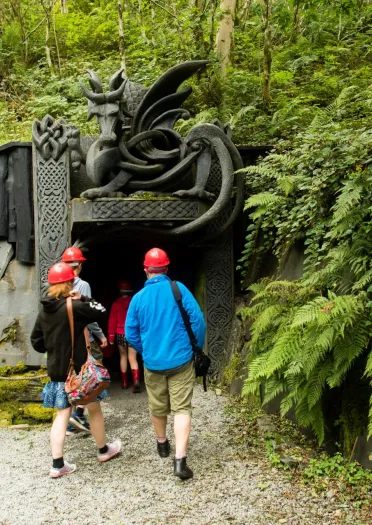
[(112, 259)]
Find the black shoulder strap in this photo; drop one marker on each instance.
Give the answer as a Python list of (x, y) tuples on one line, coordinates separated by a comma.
[(185, 316)]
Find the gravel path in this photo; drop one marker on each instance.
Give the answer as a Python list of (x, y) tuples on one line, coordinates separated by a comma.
[(138, 487)]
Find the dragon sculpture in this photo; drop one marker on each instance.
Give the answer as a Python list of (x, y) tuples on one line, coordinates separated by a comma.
[(138, 149)]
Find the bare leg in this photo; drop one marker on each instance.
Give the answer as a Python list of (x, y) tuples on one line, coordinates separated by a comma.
[(132, 356), (160, 427), (58, 432), (123, 358), (182, 427), (97, 424)]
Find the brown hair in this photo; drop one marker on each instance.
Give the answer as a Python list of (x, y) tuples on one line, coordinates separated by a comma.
[(60, 289)]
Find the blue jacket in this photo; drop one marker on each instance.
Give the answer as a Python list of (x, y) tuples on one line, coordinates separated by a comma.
[(154, 326)]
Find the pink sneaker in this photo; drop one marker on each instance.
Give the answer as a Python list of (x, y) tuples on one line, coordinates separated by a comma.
[(113, 450), (68, 468)]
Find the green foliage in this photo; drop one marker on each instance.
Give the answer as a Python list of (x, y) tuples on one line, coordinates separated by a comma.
[(350, 475), (308, 335), (318, 49)]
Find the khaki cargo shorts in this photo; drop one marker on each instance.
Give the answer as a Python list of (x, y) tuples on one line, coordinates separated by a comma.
[(170, 393)]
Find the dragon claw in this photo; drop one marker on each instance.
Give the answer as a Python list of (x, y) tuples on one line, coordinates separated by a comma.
[(195, 193), (99, 193)]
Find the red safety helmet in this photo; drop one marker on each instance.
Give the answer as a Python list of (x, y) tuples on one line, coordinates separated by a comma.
[(125, 286), (60, 273), (73, 254), (156, 260)]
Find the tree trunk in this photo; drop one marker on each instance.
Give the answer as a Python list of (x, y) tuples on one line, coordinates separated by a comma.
[(246, 10), (296, 21), (198, 8), (267, 49), (47, 6), (153, 40), (121, 36), (212, 26), (140, 20), (47, 48), (64, 8), (57, 45), (225, 34)]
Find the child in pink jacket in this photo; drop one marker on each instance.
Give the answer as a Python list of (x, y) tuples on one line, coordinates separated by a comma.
[(116, 333)]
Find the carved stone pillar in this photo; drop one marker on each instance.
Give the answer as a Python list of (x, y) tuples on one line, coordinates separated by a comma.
[(219, 279), (51, 182), (218, 264)]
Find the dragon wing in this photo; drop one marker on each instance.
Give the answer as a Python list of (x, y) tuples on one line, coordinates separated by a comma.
[(163, 97)]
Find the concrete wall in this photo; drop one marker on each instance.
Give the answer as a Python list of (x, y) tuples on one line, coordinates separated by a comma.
[(18, 310)]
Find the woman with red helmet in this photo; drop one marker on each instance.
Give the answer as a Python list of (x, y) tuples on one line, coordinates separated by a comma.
[(116, 333), (51, 334)]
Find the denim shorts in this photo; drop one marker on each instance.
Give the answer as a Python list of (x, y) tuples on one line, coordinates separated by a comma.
[(54, 395)]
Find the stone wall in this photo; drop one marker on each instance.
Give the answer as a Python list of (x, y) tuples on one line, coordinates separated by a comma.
[(18, 310)]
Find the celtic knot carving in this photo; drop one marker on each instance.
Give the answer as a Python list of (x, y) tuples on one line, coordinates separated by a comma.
[(215, 178), (50, 137), (52, 214), (141, 209), (219, 279)]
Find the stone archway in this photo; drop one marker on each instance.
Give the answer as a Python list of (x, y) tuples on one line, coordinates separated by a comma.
[(56, 214)]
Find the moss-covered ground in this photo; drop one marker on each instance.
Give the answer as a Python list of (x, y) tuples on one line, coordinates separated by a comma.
[(20, 390)]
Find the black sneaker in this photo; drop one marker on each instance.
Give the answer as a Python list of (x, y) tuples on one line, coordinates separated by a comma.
[(163, 449), (181, 470)]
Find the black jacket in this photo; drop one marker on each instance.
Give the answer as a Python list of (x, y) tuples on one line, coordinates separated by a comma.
[(51, 333)]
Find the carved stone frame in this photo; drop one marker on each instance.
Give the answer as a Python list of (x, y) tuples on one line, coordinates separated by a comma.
[(51, 186), (53, 223)]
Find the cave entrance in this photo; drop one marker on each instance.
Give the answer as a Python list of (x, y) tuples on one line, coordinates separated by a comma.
[(109, 261), (119, 255)]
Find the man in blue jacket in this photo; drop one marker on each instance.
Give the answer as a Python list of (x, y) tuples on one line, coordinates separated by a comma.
[(154, 327)]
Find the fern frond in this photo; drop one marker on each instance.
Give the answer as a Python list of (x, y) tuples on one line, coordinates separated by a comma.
[(264, 321), (264, 199), (317, 382), (316, 348), (251, 388), (285, 349), (257, 368), (264, 169), (349, 198), (369, 429), (347, 306), (368, 369), (317, 422), (314, 310), (288, 183), (273, 388), (286, 405), (363, 281)]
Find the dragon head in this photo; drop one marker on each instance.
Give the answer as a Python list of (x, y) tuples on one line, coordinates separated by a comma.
[(106, 107)]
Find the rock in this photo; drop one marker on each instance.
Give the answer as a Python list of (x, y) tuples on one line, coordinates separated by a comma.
[(266, 425), (218, 392), (331, 494), (291, 462), (283, 520)]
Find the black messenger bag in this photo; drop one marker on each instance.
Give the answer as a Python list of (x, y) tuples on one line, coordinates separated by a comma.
[(201, 360)]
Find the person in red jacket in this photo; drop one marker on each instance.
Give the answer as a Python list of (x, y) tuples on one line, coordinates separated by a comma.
[(116, 332)]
